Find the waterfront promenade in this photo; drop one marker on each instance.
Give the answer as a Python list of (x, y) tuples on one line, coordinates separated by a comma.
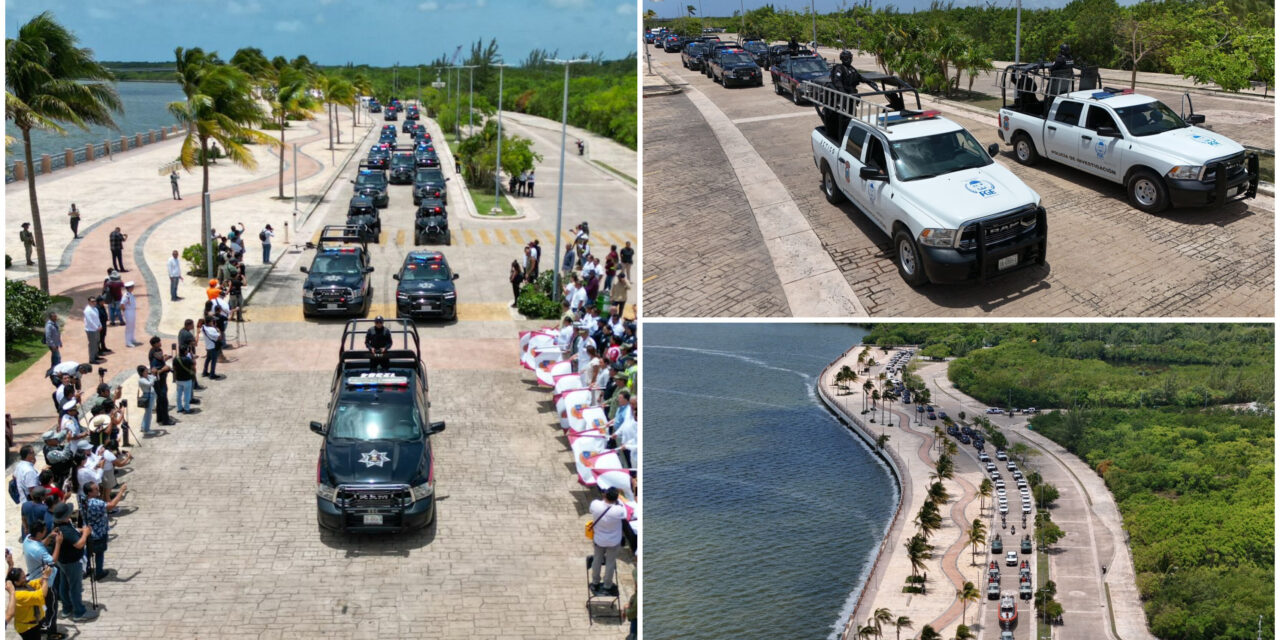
[(911, 450)]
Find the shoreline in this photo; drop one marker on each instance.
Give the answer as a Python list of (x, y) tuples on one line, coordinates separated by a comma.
[(856, 426)]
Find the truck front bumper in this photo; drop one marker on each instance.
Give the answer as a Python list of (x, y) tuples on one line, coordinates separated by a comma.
[(1195, 193), (948, 265), (394, 520)]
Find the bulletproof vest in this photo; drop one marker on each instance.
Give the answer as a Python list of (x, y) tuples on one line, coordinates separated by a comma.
[(844, 78)]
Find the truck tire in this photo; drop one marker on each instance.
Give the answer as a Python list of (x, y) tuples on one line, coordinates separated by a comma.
[(1024, 150), (907, 255), (795, 96), (777, 88), (829, 188), (1147, 191)]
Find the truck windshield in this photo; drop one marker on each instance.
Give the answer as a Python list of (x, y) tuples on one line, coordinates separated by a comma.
[(379, 420), (808, 65), (1149, 119), (935, 155), (426, 273), (345, 263), (370, 179), (735, 58)]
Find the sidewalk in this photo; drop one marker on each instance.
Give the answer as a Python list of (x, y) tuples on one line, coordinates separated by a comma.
[(911, 450), (129, 194)]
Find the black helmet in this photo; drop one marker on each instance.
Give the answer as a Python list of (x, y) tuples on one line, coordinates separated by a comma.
[(846, 57), (1064, 49)]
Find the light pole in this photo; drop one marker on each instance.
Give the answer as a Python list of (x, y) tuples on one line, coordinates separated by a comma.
[(1017, 38), (742, 13), (814, 11), (394, 86), (295, 178), (564, 132), (419, 85), (471, 99), (497, 170)]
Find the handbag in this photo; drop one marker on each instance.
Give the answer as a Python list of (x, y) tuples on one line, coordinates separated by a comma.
[(591, 526)]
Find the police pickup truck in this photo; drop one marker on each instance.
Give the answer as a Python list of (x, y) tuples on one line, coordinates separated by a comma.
[(789, 71), (1160, 157), (953, 214), (338, 281), (376, 472)]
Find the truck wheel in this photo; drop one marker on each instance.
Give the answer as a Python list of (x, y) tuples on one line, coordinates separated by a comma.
[(1024, 150), (910, 266), (795, 95), (829, 188), (777, 88), (1147, 192)]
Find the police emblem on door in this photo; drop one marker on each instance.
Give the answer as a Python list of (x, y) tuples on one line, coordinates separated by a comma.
[(1101, 149)]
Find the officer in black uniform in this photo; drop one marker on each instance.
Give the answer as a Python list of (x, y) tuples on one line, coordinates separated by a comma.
[(845, 79), (1062, 67), (377, 340)]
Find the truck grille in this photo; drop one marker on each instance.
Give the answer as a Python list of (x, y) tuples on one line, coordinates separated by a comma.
[(373, 496), (1000, 228), (1233, 165), (335, 294)]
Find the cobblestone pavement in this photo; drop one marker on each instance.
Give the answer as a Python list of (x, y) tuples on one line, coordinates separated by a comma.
[(219, 536), (704, 254), (1105, 258)]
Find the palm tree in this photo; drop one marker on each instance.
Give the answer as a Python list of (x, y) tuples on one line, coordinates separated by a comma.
[(290, 95), (866, 393), (219, 107), (945, 467), (938, 493), (928, 633), (881, 440), (881, 617), (919, 551), (875, 397), (339, 92), (969, 593), (977, 536), (929, 519), (984, 491), (363, 87), (901, 623), (963, 633), (48, 80)]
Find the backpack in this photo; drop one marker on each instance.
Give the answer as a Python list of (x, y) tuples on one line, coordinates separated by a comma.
[(262, 235), (13, 489)]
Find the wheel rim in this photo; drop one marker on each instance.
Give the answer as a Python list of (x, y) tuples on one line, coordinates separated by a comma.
[(907, 256), (1024, 151), (828, 183), (1144, 191)]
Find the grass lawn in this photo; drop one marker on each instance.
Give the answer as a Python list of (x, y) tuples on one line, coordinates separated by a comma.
[(1042, 573), (1267, 167), (484, 202), (975, 99), (28, 349), (615, 172)]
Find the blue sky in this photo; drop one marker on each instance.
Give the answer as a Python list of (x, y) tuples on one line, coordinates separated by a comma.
[(375, 32), (669, 8)]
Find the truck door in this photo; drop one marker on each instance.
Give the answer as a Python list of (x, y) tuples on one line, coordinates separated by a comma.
[(1062, 132), (850, 162), (1101, 154), (874, 191)]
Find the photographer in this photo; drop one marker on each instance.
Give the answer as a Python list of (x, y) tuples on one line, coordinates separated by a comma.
[(236, 298), (184, 375), (57, 459), (68, 558), (95, 514), (212, 346), (160, 367), (29, 600), (146, 397)]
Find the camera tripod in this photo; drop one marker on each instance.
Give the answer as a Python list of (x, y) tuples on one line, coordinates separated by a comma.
[(241, 336)]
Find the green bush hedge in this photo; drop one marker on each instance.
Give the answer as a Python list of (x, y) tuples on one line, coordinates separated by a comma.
[(197, 256), (535, 298), (25, 307)]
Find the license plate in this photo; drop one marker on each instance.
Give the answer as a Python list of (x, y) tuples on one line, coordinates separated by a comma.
[(1007, 261), (331, 307), (372, 519)]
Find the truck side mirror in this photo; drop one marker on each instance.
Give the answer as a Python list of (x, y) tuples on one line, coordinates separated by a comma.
[(993, 149), (436, 427), (1195, 118), (870, 173), (395, 276), (317, 427), (368, 269), (455, 276), (1108, 132), (302, 269)]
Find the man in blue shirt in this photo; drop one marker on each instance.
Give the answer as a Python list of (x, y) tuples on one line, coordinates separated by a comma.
[(95, 515), (34, 510), (36, 550)]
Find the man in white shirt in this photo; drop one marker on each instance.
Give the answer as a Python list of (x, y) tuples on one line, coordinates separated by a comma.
[(579, 299), (212, 342), (70, 424), (564, 339), (25, 472), (175, 276), (265, 236), (586, 350), (92, 325), (129, 306), (609, 516), (627, 430)]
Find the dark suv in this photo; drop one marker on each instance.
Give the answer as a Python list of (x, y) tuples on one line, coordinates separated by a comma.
[(426, 286), (379, 156), (429, 183), (363, 215), (735, 66), (390, 114), (376, 472), (431, 222), (402, 165), (372, 182), (338, 281)]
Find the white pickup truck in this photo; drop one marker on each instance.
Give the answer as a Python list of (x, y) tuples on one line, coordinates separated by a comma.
[(952, 213), (1162, 159)]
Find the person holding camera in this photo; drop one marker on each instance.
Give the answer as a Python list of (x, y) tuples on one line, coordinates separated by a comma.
[(69, 562), (95, 514), (184, 375), (212, 347), (29, 601), (159, 361), (609, 516), (146, 397)]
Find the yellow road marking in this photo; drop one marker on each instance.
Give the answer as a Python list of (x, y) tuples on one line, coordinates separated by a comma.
[(650, 278), (466, 237), (484, 236), (400, 238), (467, 312), (551, 237), (515, 233), (500, 236), (315, 239), (382, 237)]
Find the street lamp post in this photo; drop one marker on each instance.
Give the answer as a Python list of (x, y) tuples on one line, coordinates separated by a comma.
[(497, 171), (814, 11), (419, 85), (471, 100), (1017, 38), (564, 133)]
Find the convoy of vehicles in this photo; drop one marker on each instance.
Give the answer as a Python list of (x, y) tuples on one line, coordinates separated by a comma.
[(431, 222), (375, 471), (426, 286), (1160, 157), (338, 281)]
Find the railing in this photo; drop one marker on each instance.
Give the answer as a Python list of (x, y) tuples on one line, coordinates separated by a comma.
[(16, 170)]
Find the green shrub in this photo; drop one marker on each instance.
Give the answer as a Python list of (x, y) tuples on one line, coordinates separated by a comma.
[(8, 261), (25, 307), (198, 257), (533, 303)]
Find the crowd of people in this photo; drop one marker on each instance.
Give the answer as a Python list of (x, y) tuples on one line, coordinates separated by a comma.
[(590, 364), (584, 277)]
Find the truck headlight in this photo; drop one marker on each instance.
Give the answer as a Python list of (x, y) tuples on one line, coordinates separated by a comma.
[(308, 295), (938, 237), (451, 295), (422, 491), (327, 492), (401, 295), (1183, 172)]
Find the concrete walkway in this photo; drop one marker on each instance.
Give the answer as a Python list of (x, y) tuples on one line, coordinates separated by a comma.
[(911, 450), (130, 194)]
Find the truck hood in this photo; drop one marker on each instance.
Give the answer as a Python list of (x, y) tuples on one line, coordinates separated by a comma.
[(357, 462), (1190, 145), (955, 198), (326, 280)]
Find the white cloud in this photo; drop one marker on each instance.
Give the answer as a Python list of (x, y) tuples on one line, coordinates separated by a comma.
[(289, 26), (319, 18), (481, 3), (430, 5), (240, 8), (626, 9), (100, 14), (569, 4)]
